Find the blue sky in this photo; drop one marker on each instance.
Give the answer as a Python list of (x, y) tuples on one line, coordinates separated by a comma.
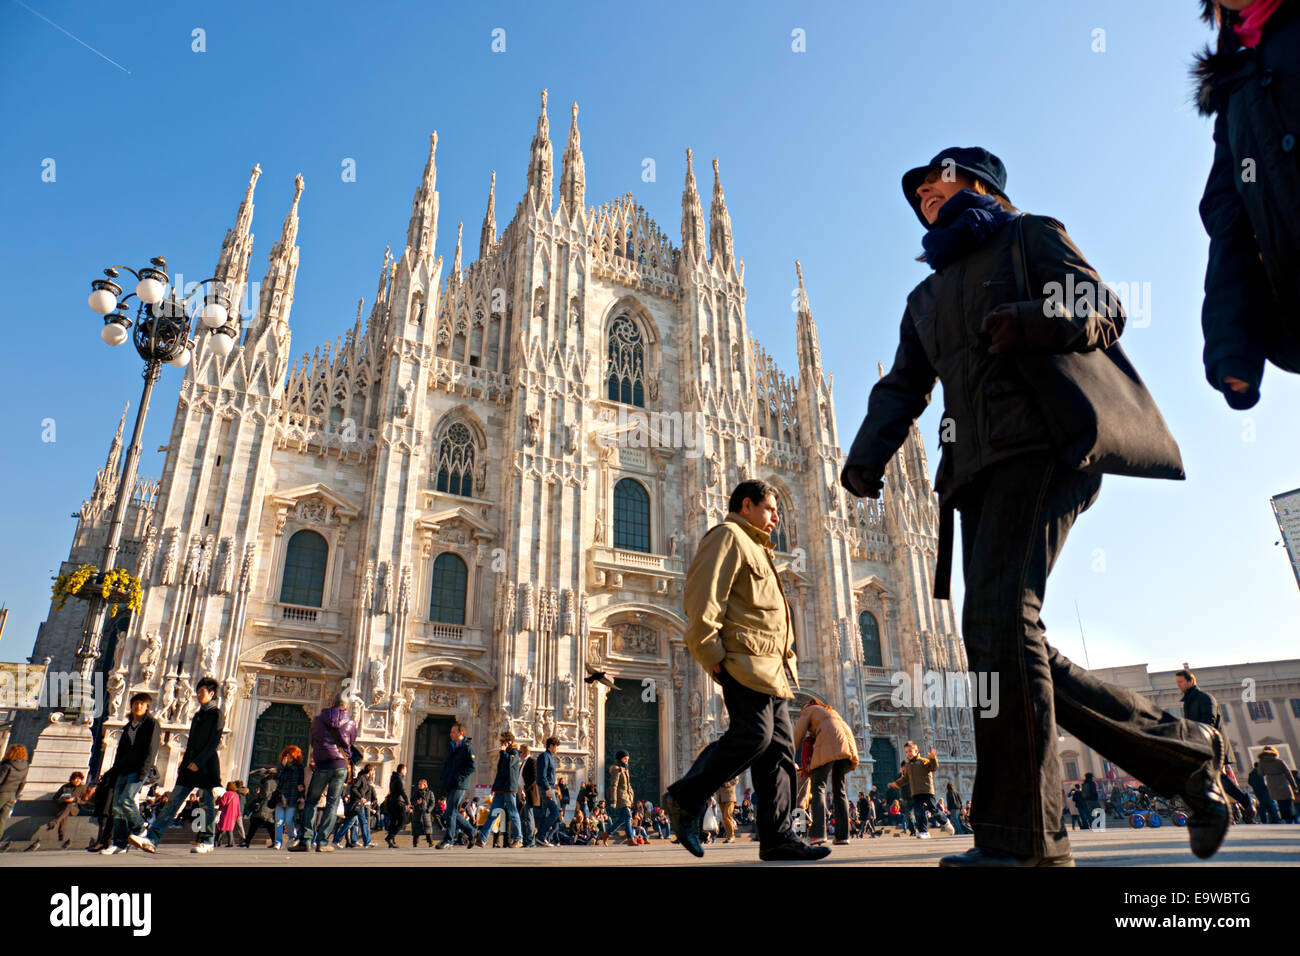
[(811, 147)]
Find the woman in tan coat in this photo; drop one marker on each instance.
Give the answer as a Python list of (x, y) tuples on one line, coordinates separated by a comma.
[(835, 755)]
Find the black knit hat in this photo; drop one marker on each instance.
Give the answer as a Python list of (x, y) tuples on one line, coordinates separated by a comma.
[(621, 754), (972, 160)]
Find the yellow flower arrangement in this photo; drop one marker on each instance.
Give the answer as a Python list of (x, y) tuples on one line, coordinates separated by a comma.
[(68, 585), (116, 582), (122, 581)]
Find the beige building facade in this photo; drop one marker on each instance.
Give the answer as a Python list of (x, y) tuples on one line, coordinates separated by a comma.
[(1259, 704)]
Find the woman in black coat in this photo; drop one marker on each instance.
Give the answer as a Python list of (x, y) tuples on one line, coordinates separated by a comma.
[(422, 814), (1005, 321), (1251, 206), (396, 805)]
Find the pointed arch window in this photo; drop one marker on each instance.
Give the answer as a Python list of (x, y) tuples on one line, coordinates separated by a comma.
[(447, 600), (456, 461), (631, 516), (869, 629), (625, 368), (304, 569)]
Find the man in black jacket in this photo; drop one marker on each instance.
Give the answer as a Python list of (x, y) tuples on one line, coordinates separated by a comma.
[(137, 749), (457, 772), (356, 809), (200, 768), (1200, 706), (505, 788)]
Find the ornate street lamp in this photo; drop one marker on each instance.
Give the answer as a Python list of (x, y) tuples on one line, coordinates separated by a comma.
[(162, 330)]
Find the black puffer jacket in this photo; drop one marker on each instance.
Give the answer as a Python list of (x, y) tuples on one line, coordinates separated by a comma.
[(991, 411), (1251, 205)]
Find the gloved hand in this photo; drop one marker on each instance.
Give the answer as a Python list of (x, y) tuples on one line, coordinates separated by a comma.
[(1003, 330), (860, 483)]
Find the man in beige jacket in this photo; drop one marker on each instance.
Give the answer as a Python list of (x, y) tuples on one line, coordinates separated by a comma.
[(739, 629)]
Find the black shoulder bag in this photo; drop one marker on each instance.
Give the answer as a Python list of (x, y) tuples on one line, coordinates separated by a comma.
[(1099, 415)]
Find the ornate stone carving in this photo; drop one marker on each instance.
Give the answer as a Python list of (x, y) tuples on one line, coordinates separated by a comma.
[(532, 424), (634, 639), (368, 587), (170, 558), (246, 567)]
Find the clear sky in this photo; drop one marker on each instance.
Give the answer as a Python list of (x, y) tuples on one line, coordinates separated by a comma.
[(152, 143)]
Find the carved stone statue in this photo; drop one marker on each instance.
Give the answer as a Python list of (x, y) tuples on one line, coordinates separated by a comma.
[(168, 698), (116, 688), (715, 471), (377, 668), (675, 543), (211, 656), (481, 483), (525, 694), (368, 586), (149, 657), (599, 537), (532, 424), (570, 439), (171, 558), (184, 697), (569, 694)]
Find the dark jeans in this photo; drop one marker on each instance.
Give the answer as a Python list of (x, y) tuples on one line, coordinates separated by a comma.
[(207, 819), (1234, 791), (1015, 517), (550, 816), (923, 803), (330, 783), (526, 822), (454, 819), (837, 771), (759, 739)]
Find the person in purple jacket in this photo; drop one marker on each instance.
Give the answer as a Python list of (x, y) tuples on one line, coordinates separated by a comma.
[(333, 733)]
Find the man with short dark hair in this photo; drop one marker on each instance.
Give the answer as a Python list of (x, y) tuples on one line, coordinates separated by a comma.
[(547, 789), (457, 772), (740, 631), (137, 749), (505, 788), (200, 768), (1200, 706)]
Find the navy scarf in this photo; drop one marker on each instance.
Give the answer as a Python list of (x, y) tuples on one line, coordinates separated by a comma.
[(964, 222)]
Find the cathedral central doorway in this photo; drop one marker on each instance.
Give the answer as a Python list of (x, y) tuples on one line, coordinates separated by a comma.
[(632, 724), (432, 741), (279, 726), (885, 770)]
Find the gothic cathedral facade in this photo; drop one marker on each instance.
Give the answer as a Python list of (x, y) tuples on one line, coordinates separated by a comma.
[(452, 511)]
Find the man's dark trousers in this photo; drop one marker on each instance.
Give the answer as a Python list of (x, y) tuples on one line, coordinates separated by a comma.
[(1015, 517), (760, 739), (454, 819), (923, 804), (837, 771)]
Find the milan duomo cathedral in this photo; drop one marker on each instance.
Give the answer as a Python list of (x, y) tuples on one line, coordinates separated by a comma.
[(440, 514)]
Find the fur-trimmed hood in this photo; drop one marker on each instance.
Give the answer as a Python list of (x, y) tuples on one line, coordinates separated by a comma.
[(1211, 65)]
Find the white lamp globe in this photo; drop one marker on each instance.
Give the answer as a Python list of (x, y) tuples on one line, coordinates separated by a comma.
[(214, 315), (150, 290), (102, 301), (113, 334), (181, 360), (221, 345)]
